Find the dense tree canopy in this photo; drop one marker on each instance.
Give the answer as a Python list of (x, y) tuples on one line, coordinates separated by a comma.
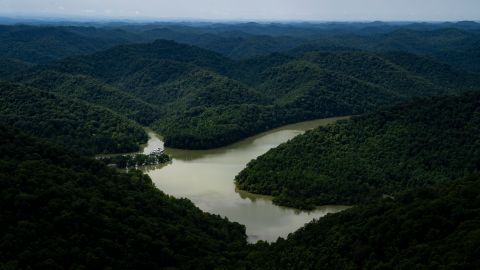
[(428, 228), (95, 92), (453, 43), (74, 124), (197, 98), (60, 211), (411, 168), (10, 68), (426, 141), (41, 44)]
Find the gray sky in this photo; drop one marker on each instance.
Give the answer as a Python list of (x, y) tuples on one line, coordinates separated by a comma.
[(321, 10)]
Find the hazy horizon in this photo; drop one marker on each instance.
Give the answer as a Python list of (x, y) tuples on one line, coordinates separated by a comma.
[(246, 10)]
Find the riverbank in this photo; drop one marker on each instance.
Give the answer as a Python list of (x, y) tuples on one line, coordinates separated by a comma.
[(206, 177)]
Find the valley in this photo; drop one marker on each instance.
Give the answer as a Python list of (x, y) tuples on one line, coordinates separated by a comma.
[(278, 145), (199, 99), (206, 177)]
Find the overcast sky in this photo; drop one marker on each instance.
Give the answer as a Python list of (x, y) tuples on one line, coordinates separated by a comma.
[(302, 10)]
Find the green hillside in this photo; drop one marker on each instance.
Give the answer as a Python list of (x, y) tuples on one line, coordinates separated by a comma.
[(61, 211), (453, 43), (11, 68), (79, 126), (93, 91), (407, 160), (429, 228), (42, 44), (205, 100), (419, 143), (122, 63), (450, 45)]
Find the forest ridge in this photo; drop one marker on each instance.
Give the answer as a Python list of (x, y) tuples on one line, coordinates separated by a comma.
[(201, 96), (407, 160)]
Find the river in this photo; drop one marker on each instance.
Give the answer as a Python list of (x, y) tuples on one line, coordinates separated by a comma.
[(206, 177)]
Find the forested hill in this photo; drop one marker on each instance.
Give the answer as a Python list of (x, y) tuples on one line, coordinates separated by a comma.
[(453, 46), (419, 143), (408, 160), (202, 95), (60, 211), (452, 43), (74, 124), (119, 63), (429, 228), (96, 92), (10, 68), (201, 99), (42, 44)]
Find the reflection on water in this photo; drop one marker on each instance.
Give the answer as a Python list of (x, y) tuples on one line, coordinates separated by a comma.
[(206, 178)]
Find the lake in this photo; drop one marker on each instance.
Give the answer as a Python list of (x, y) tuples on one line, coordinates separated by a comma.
[(206, 177)]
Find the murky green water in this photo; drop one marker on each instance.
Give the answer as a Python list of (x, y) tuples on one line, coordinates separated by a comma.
[(206, 178)]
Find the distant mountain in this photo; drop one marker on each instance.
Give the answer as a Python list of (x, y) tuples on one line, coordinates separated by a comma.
[(420, 143), (404, 73), (200, 99), (233, 44), (122, 63), (450, 45), (449, 42), (41, 44)]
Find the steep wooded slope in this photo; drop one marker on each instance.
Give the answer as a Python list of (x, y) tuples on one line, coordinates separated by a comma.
[(424, 142), (74, 124), (61, 211)]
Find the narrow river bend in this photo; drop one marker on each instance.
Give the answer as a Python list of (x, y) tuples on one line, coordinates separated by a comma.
[(206, 177)]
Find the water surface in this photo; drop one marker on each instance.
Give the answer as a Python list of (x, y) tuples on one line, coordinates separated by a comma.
[(206, 177)]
